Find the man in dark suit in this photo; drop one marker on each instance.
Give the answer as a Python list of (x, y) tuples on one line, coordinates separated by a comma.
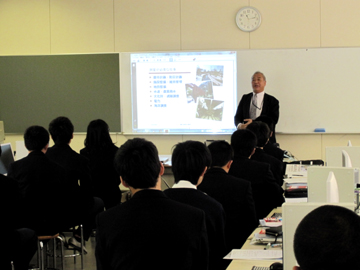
[(149, 231), (266, 191), (84, 206), (190, 161), (262, 133), (235, 195), (41, 184), (258, 103)]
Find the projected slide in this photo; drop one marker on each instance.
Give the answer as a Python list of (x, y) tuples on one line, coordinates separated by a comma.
[(185, 92)]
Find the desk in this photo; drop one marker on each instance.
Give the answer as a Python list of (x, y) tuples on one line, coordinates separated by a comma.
[(248, 264)]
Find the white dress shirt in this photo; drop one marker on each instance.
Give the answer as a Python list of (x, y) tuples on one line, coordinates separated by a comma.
[(184, 184), (259, 100)]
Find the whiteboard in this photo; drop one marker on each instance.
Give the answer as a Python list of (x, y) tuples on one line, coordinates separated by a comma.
[(316, 88)]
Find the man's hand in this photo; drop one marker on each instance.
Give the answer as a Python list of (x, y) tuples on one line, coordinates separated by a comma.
[(246, 123)]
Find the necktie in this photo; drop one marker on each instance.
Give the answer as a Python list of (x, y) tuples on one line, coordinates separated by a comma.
[(253, 107)]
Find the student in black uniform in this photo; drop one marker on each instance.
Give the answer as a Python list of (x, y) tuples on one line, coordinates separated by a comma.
[(190, 160), (262, 133), (235, 195), (79, 186), (20, 244), (149, 231), (100, 150), (266, 191)]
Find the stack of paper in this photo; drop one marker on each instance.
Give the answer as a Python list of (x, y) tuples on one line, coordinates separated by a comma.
[(254, 254)]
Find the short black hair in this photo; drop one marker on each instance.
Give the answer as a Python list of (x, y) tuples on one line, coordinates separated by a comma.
[(137, 162), (221, 153), (267, 120), (243, 141), (328, 238), (61, 129), (36, 138), (189, 160), (261, 131)]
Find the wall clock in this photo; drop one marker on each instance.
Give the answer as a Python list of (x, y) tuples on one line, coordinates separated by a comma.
[(248, 19)]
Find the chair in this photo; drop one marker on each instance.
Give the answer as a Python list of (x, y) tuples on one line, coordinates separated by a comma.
[(52, 253), (44, 239), (76, 252)]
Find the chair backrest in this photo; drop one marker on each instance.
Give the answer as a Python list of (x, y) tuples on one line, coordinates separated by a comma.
[(334, 155), (317, 177), (6, 158)]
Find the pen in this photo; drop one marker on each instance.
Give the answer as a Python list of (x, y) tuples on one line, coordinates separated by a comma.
[(269, 245)]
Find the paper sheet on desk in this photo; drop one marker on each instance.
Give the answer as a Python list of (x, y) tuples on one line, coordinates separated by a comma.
[(296, 200), (254, 254), (272, 224), (297, 179)]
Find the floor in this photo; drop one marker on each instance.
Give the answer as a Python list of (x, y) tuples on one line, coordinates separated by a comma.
[(89, 258)]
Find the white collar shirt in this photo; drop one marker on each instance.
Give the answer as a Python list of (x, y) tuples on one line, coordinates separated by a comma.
[(260, 100), (184, 184)]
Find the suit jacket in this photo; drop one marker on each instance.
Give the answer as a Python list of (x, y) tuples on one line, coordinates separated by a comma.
[(105, 179), (41, 185), (20, 246), (270, 108), (10, 201), (276, 165), (215, 221), (267, 193), (77, 168), (235, 195), (151, 231)]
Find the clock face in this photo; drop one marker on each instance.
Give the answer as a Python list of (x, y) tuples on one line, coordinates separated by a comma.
[(248, 19)]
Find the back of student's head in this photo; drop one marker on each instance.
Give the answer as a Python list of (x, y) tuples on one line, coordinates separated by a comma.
[(267, 120), (61, 130), (36, 138), (243, 141), (97, 135), (328, 238), (189, 160), (261, 131), (221, 153), (137, 162)]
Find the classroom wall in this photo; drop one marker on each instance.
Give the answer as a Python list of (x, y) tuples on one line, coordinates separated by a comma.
[(42, 27)]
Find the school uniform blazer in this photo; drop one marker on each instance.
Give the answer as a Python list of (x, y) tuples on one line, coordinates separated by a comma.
[(276, 166), (77, 168), (266, 192), (10, 203), (270, 108), (41, 185), (215, 221), (105, 179), (151, 231), (235, 195)]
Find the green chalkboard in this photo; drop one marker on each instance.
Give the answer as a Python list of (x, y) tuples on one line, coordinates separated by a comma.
[(36, 89)]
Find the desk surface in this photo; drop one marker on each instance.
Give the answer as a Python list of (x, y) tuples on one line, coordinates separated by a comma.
[(248, 264)]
